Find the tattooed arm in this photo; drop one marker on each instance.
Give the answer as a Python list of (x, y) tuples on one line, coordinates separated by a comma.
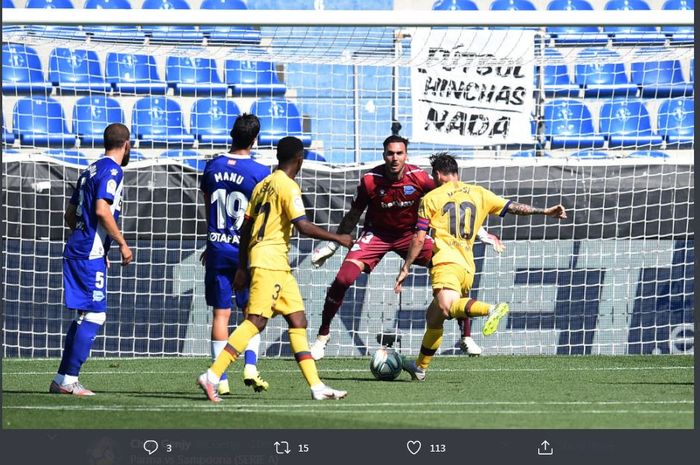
[(557, 211)]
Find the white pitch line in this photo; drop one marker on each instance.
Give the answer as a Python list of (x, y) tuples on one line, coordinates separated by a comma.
[(362, 370)]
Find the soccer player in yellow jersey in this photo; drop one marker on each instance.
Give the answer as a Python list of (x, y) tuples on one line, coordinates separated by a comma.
[(454, 211), (274, 207)]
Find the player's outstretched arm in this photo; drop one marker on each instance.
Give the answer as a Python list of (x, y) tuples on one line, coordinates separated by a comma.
[(308, 229), (414, 250), (346, 226), (106, 220), (71, 216), (557, 211)]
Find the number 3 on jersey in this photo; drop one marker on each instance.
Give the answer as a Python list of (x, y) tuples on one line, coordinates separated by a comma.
[(232, 206)]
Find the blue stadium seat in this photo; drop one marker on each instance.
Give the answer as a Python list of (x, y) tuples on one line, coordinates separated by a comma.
[(122, 33), (278, 118), (211, 120), (455, 5), (632, 34), (591, 154), (21, 71), (194, 76), (134, 74), (91, 115), (254, 77), (601, 73), (557, 82), (314, 156), (626, 123), (574, 34), (54, 31), (40, 121), (7, 4), (190, 158), (170, 33), (75, 71), (676, 121), (513, 5), (7, 137), (229, 34), (679, 33), (660, 79), (568, 124), (649, 154), (157, 121), (531, 154), (73, 157), (135, 155)]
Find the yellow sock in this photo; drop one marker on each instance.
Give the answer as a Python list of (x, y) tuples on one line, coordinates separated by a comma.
[(431, 343), (300, 347), (463, 308), (237, 342)]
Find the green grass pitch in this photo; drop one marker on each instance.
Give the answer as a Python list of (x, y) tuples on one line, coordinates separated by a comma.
[(460, 392)]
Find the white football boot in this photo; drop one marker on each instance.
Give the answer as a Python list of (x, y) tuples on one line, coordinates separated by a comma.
[(76, 389), (318, 348), (470, 347), (417, 374), (324, 392)]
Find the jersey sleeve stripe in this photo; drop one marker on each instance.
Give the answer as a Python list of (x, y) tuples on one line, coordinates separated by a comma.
[(505, 209), (299, 218), (423, 224)]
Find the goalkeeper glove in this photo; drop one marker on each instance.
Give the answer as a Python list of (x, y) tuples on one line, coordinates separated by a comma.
[(492, 239), (323, 253)]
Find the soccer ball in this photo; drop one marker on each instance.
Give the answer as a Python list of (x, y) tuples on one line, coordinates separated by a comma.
[(385, 364)]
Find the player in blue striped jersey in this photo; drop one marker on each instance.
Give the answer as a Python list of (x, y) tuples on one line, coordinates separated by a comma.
[(227, 184), (92, 214)]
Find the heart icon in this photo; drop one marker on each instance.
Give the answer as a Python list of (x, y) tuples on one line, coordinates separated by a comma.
[(413, 447)]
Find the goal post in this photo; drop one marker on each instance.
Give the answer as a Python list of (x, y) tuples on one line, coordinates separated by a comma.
[(600, 124)]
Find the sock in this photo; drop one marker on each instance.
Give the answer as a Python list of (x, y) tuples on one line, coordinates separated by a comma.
[(236, 343), (79, 339), (216, 348), (466, 327), (431, 343), (465, 307), (347, 275), (251, 350), (67, 352), (300, 348)]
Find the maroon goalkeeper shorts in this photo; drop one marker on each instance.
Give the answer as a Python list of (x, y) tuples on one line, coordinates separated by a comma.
[(370, 248)]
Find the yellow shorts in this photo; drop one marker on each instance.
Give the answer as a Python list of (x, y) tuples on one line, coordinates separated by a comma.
[(273, 292), (451, 276)]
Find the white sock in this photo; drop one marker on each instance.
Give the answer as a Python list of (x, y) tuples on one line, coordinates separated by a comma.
[(212, 378), (68, 379), (216, 348), (59, 378)]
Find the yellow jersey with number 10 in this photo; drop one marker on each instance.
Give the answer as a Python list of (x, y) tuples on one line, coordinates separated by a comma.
[(274, 205), (455, 211)]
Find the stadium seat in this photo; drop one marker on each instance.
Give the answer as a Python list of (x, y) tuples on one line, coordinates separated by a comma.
[(591, 154), (557, 82), (601, 73), (229, 34), (531, 154), (649, 154), (455, 5), (91, 115), (21, 71), (679, 33), (211, 121), (104, 32), (7, 137), (190, 158), (134, 74), (568, 124), (278, 118), (194, 76), (74, 157), (314, 156), (135, 155), (254, 77), (632, 34), (574, 34), (512, 5), (75, 71), (157, 121), (7, 4), (40, 121), (54, 31), (170, 33), (626, 123), (660, 79), (676, 122)]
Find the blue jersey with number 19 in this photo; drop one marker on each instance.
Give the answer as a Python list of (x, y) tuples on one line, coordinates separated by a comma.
[(228, 183)]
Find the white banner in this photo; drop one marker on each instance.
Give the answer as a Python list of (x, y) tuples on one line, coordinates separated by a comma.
[(472, 87)]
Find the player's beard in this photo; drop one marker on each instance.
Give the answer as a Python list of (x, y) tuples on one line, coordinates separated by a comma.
[(126, 157)]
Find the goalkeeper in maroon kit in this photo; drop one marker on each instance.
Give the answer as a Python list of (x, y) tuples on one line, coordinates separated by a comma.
[(391, 194)]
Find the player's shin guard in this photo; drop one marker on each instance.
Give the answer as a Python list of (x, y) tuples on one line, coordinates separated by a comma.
[(251, 350), (79, 339), (237, 342), (466, 307), (300, 347), (347, 275), (431, 343)]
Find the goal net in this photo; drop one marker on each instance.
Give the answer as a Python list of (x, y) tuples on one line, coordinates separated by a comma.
[(599, 122)]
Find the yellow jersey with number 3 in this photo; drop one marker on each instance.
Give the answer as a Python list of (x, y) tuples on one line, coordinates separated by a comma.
[(274, 206), (454, 212)]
